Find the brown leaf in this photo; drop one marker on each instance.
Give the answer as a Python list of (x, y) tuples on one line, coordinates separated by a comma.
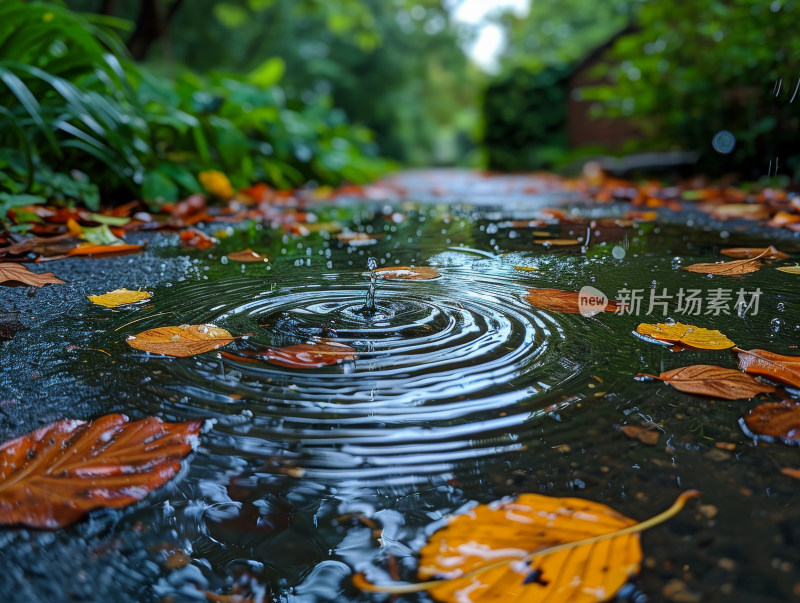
[(417, 273), (556, 300), (761, 362), (710, 380), (734, 268), (182, 341), (308, 355), (768, 253), (778, 420), (246, 255), (645, 436), (53, 476), (17, 273)]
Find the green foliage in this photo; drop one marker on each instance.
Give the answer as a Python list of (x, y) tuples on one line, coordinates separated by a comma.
[(695, 69), (396, 67), (77, 119), (526, 119)]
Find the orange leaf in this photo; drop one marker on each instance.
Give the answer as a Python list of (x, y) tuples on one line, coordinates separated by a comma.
[(17, 273), (533, 549), (556, 300), (182, 341), (197, 239), (761, 362), (776, 420), (246, 255), (549, 242), (104, 249), (418, 273), (645, 436), (728, 268), (53, 476), (768, 253), (307, 355), (710, 380)]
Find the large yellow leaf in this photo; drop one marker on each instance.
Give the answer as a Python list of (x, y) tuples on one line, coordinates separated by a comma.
[(182, 341), (535, 548), (118, 297), (696, 337)]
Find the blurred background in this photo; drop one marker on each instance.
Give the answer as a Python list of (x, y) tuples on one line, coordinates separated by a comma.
[(135, 97)]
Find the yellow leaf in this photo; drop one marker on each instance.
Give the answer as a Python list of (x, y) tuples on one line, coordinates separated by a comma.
[(182, 341), (119, 297), (532, 549), (696, 337), (216, 183), (790, 269)]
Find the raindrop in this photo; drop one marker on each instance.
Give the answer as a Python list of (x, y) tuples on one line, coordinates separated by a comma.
[(775, 325), (781, 307), (618, 252), (669, 321), (723, 142)]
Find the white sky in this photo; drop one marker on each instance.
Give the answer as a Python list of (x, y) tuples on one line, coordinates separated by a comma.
[(490, 38)]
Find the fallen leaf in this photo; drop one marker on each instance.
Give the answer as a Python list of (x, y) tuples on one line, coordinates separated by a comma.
[(747, 211), (734, 268), (526, 268), (118, 297), (17, 273), (197, 239), (795, 473), (531, 549), (556, 300), (418, 273), (710, 380), (790, 269), (246, 255), (761, 362), (91, 249), (548, 242), (768, 253), (356, 239), (53, 476), (775, 420), (645, 436), (689, 335), (310, 355), (182, 341)]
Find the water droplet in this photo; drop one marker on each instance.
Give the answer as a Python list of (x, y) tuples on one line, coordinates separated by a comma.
[(224, 259), (723, 142), (618, 252), (781, 306), (669, 321), (775, 325)]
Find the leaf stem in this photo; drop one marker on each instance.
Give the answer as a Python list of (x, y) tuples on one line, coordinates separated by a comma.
[(360, 581)]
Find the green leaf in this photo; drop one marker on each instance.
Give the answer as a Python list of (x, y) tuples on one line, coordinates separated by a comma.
[(268, 73), (158, 188), (99, 235)]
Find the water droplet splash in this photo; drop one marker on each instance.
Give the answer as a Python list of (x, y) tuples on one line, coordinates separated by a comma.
[(369, 303)]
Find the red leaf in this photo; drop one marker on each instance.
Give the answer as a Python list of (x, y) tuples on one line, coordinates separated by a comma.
[(53, 476)]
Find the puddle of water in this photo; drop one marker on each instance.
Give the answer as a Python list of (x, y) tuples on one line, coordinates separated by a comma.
[(461, 391)]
